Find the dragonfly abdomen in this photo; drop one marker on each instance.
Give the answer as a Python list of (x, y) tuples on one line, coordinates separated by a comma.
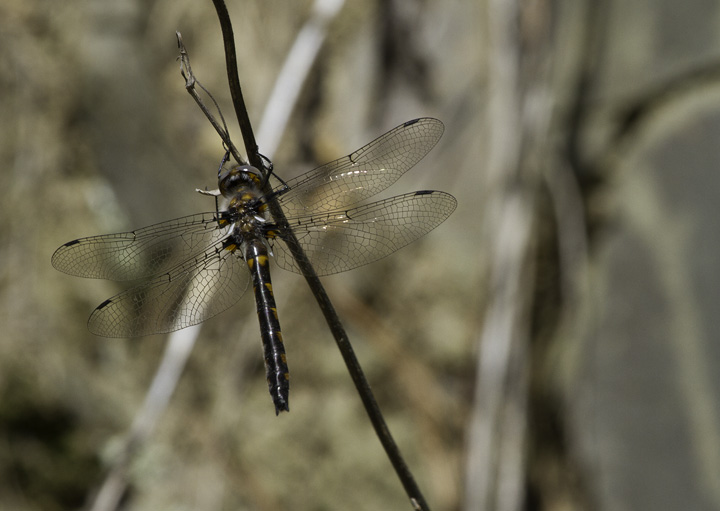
[(276, 369)]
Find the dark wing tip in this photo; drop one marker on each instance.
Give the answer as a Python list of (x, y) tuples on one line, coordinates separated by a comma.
[(436, 123), (437, 192), (57, 260), (450, 202), (104, 304), (431, 120)]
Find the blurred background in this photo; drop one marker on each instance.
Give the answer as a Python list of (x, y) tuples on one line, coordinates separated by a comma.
[(549, 347)]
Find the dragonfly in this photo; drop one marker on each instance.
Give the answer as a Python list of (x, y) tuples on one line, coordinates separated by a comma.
[(191, 268)]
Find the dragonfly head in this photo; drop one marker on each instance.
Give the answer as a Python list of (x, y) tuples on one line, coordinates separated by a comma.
[(236, 179)]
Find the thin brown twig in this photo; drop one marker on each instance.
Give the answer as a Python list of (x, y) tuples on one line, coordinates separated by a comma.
[(190, 82)]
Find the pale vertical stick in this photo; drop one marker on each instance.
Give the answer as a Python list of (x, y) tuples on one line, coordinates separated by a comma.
[(497, 433)]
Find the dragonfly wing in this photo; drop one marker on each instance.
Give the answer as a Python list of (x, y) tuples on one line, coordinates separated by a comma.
[(369, 170), (140, 253), (186, 295), (342, 240)]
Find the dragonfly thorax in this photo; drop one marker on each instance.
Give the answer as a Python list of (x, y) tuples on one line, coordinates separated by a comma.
[(246, 209), (237, 179)]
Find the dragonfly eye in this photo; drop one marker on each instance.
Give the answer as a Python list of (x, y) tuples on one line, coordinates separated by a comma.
[(232, 181)]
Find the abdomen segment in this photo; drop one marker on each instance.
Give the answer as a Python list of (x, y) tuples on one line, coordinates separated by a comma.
[(276, 368)]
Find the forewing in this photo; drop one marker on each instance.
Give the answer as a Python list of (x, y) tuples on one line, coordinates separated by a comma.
[(140, 253), (342, 240), (362, 174), (186, 295)]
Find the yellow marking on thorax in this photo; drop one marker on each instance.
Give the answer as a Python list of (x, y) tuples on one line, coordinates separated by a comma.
[(232, 247), (262, 260), (253, 177)]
